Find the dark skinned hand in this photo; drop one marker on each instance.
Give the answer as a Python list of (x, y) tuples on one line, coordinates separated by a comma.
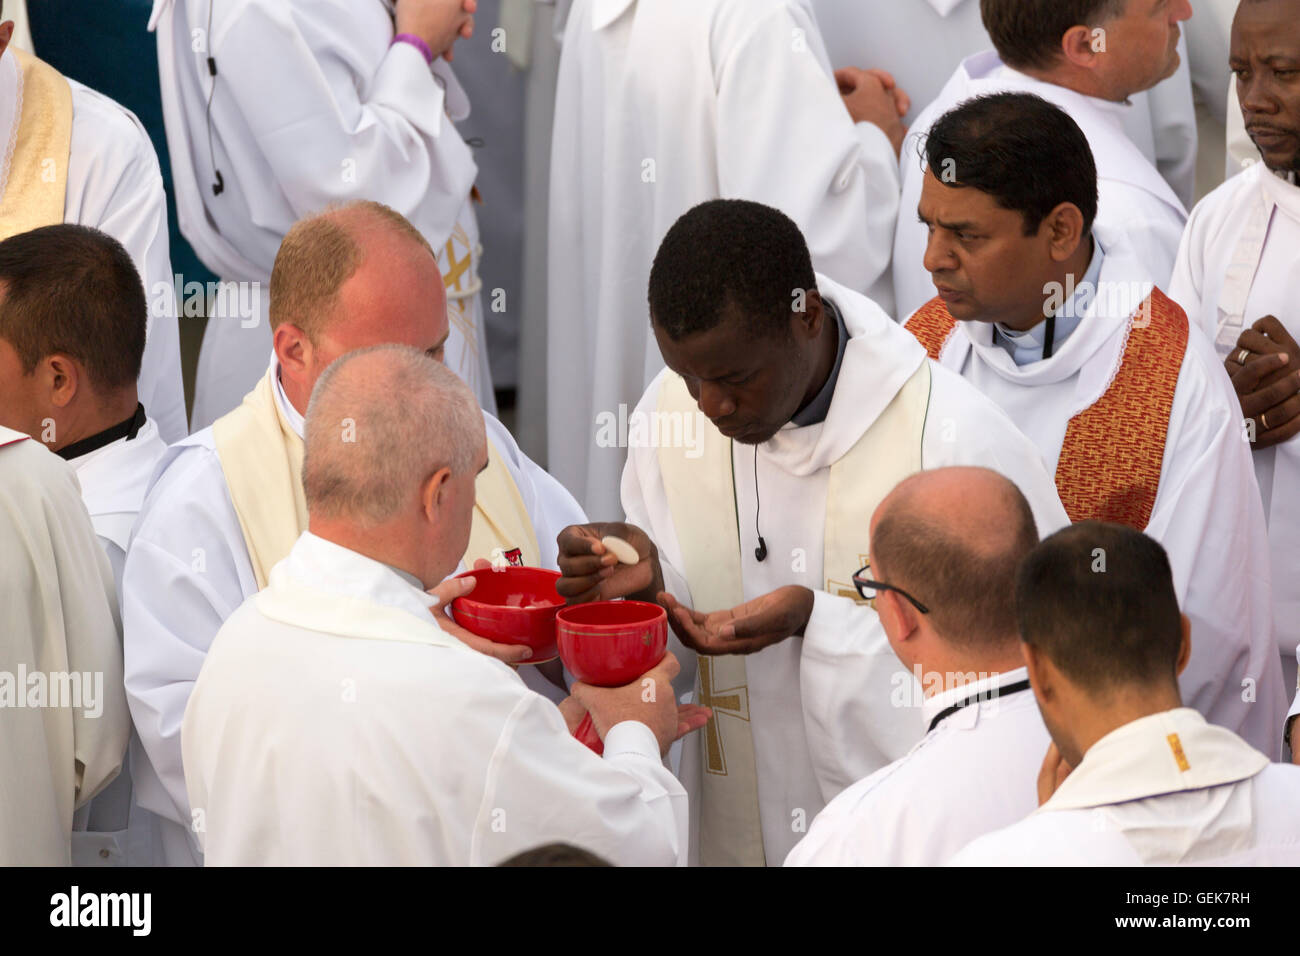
[(589, 572), (1268, 383), (743, 629)]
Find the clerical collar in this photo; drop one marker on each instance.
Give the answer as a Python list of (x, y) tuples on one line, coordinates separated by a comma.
[(127, 429), (1028, 347), (342, 571), (990, 688), (815, 412)]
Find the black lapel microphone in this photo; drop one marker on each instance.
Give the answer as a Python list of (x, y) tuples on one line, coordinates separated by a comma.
[(219, 186), (760, 553)]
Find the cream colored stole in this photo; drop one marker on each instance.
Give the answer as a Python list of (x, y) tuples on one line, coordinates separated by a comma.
[(261, 457), (702, 500), (36, 187)]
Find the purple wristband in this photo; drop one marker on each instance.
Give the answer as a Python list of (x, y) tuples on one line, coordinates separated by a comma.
[(416, 42)]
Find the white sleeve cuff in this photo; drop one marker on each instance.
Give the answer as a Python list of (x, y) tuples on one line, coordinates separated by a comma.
[(631, 737), (406, 82)]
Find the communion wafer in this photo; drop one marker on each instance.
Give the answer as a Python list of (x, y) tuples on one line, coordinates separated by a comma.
[(620, 549)]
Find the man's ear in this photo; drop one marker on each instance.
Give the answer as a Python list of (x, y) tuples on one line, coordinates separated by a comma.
[(897, 616), (433, 494), (1036, 663), (1081, 46), (1065, 230), (1185, 645), (292, 349), (808, 321), (62, 377)]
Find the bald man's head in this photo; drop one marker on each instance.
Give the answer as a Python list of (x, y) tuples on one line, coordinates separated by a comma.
[(381, 421), (953, 538), (319, 254)]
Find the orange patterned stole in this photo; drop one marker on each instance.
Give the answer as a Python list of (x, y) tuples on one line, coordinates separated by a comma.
[(1109, 467), (932, 325)]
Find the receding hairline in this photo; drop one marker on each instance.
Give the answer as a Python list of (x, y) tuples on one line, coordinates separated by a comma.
[(341, 229), (985, 532)]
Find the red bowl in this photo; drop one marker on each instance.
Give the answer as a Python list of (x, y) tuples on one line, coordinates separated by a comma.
[(512, 606), (611, 643)]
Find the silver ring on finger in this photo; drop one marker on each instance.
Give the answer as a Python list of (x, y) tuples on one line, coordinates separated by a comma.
[(1242, 356), (1263, 420)]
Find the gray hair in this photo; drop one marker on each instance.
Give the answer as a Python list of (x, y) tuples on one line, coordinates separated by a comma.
[(380, 421)]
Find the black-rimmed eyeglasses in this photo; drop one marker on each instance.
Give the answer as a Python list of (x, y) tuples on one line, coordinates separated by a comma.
[(870, 590)]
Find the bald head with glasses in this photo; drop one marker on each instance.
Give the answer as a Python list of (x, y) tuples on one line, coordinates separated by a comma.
[(945, 546)]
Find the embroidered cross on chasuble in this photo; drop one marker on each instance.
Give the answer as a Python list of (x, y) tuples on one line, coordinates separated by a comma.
[(1109, 468), (700, 488)]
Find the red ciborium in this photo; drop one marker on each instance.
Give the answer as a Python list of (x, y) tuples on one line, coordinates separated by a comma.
[(512, 606)]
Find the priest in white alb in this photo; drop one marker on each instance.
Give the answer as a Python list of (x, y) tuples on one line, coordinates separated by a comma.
[(72, 334), (945, 547), (1133, 777), (227, 503), (782, 421), (275, 109), (1088, 60), (63, 718), (919, 43), (335, 723), (1238, 277), (749, 109), (1053, 316), (75, 156)]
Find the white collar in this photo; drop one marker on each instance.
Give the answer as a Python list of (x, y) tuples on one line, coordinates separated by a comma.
[(937, 704), (1067, 317), (326, 566), (605, 12), (291, 414), (944, 7), (82, 461), (1093, 348), (320, 586), (879, 359), (120, 470), (1118, 107), (1280, 190), (1169, 752)]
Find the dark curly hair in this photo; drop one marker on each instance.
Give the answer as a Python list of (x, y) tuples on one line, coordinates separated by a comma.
[(729, 253)]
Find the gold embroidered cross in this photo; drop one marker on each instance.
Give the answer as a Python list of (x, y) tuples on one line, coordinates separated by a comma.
[(732, 701), (455, 267)]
